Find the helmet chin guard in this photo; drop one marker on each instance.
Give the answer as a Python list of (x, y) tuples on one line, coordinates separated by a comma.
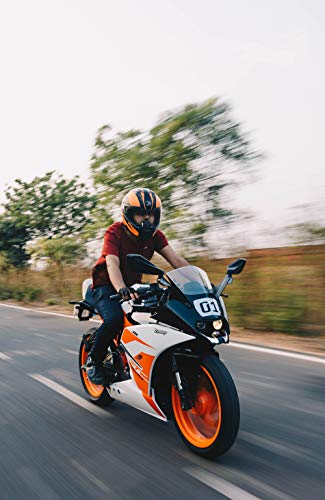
[(146, 230)]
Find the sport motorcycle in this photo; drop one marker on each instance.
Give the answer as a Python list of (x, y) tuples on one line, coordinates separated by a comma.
[(165, 360)]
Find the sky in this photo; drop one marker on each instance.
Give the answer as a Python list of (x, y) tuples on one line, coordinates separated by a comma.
[(70, 66)]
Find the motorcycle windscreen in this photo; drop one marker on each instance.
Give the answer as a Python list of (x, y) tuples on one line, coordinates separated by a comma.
[(194, 283), (191, 280)]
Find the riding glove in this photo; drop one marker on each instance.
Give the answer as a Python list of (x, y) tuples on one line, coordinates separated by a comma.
[(126, 292)]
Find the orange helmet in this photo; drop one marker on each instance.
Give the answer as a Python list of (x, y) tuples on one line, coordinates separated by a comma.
[(141, 201)]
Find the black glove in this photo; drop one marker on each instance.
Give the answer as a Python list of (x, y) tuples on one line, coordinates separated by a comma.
[(126, 292)]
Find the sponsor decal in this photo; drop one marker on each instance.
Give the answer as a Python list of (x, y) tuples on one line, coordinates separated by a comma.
[(160, 332)]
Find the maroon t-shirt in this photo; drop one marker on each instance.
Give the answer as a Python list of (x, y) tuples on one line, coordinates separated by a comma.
[(118, 242)]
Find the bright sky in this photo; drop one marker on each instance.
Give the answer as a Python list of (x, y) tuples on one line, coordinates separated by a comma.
[(69, 66)]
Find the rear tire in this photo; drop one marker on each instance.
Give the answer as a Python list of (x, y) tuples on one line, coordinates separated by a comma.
[(97, 394), (211, 426)]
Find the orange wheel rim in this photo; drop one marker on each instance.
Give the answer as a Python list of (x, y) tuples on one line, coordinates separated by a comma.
[(200, 425), (94, 390)]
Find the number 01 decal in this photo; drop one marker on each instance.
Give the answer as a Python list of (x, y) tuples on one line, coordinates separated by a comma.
[(206, 306)]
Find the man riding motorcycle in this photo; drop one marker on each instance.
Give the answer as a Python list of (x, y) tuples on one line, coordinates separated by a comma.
[(137, 233)]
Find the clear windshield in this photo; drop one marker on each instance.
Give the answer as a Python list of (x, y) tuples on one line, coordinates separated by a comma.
[(191, 280)]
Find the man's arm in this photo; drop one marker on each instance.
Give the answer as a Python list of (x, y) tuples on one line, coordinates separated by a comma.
[(115, 275), (172, 258)]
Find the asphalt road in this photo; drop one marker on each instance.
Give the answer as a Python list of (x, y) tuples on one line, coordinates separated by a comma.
[(55, 445)]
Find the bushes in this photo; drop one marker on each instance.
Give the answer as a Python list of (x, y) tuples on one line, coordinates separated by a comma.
[(280, 290), (20, 293)]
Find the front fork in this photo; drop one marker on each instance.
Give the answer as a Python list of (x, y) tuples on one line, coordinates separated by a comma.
[(181, 386)]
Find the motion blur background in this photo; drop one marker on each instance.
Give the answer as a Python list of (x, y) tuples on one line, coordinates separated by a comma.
[(216, 105)]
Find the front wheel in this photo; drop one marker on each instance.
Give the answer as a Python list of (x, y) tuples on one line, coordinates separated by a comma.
[(211, 426), (96, 393)]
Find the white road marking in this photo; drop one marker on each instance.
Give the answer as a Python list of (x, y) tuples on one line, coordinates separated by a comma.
[(250, 374), (28, 353), (239, 345), (66, 393), (259, 383), (70, 351), (4, 357), (222, 486), (226, 471), (90, 477), (268, 350), (36, 310)]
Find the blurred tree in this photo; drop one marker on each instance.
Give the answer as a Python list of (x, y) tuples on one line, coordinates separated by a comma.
[(188, 158), (13, 239), (49, 206), (58, 252), (307, 232)]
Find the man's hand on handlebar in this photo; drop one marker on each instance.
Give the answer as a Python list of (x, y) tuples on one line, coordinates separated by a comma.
[(128, 293)]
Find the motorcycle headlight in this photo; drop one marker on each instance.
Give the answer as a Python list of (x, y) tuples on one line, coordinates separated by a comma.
[(217, 324)]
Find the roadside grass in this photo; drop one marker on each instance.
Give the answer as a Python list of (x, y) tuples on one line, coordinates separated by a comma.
[(280, 290)]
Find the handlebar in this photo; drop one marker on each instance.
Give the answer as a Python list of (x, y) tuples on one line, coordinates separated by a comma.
[(116, 296), (143, 293)]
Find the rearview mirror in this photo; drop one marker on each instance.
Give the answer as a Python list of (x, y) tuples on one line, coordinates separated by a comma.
[(139, 264), (236, 267)]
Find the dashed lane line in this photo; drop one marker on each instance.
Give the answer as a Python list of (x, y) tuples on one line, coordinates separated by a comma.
[(71, 396), (70, 351), (220, 485), (4, 357)]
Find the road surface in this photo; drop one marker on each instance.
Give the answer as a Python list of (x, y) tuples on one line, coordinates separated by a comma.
[(55, 444)]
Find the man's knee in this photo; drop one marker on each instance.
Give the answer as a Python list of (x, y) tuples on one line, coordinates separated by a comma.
[(113, 321)]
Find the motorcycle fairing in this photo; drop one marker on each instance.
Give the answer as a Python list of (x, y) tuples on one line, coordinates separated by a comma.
[(143, 345)]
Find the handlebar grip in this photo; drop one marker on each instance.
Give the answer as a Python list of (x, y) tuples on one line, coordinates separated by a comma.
[(115, 297)]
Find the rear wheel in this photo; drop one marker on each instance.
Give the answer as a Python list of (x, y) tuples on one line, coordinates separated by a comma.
[(211, 426), (96, 393)]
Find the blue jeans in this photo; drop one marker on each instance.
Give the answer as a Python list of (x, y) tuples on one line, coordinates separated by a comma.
[(112, 315)]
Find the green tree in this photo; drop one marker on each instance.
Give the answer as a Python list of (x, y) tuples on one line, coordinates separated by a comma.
[(189, 157), (49, 206), (13, 238)]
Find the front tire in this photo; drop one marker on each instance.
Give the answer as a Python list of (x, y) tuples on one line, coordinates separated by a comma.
[(211, 426), (96, 393)]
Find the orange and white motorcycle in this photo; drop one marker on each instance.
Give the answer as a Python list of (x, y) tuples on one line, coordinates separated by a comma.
[(165, 361)]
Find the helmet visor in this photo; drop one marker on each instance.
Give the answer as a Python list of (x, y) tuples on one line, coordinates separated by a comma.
[(142, 211)]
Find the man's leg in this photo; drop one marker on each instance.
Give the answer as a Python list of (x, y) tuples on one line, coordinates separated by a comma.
[(112, 315)]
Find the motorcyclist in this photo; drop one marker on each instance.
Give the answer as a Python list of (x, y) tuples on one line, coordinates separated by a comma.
[(137, 233)]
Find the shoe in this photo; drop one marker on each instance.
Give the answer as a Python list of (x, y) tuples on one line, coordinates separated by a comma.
[(95, 372)]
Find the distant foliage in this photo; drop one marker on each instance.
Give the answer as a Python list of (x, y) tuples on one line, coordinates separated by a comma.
[(188, 158), (49, 206), (13, 238), (307, 232), (59, 251)]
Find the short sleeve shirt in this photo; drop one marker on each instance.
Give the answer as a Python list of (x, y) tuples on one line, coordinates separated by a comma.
[(118, 242)]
